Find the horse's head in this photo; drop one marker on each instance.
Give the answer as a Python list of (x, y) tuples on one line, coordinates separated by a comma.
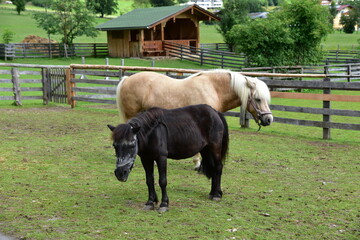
[(126, 148), (258, 101)]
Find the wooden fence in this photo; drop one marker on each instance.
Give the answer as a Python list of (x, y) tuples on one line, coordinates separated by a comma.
[(20, 82), (97, 84), (36, 50), (331, 56), (96, 74), (202, 56)]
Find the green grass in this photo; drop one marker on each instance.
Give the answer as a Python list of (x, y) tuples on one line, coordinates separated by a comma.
[(57, 182), (208, 33)]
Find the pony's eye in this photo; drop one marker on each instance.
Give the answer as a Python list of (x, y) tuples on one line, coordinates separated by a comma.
[(258, 100)]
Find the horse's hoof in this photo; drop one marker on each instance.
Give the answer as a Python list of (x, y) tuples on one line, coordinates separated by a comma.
[(163, 209), (149, 207)]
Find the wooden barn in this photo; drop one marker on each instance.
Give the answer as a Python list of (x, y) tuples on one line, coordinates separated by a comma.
[(142, 32)]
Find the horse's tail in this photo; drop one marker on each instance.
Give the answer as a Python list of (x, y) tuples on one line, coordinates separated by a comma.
[(225, 139), (119, 104)]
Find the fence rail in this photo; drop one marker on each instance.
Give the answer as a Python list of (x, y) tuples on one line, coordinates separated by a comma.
[(36, 50), (20, 82), (97, 84), (322, 82)]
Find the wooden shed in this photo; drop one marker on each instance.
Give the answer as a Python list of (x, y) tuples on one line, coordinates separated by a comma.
[(142, 32)]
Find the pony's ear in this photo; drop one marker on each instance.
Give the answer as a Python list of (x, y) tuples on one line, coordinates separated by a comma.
[(251, 84), (111, 127), (135, 127)]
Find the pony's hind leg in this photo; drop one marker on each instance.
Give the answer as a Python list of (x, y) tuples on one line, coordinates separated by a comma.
[(212, 167)]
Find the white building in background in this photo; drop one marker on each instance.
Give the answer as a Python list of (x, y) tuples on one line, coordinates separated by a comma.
[(207, 4)]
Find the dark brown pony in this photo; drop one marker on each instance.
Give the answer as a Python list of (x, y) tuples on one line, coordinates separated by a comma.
[(221, 89), (158, 134)]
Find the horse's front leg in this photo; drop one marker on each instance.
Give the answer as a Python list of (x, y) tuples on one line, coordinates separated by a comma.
[(148, 165), (162, 168)]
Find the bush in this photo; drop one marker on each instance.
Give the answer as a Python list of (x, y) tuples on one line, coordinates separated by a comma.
[(7, 36)]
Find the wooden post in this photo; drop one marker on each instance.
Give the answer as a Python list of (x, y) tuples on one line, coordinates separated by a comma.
[(16, 86), (326, 117), (107, 64), (244, 122), (46, 85), (69, 87), (349, 72)]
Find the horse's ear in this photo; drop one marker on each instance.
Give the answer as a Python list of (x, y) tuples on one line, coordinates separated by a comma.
[(135, 127), (251, 84), (111, 127)]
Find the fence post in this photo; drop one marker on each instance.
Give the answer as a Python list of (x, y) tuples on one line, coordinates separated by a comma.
[(244, 121), (326, 117), (349, 72), (94, 49), (16, 86), (69, 86), (46, 85)]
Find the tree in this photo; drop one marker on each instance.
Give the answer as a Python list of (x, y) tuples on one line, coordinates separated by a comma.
[(349, 22), (102, 6), (71, 19), (265, 42), (141, 4), (290, 36), (161, 3), (46, 21), (236, 12), (20, 5)]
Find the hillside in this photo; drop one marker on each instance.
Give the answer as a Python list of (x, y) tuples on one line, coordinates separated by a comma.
[(9, 19)]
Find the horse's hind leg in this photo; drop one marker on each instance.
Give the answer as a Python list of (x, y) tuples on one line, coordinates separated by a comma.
[(197, 161)]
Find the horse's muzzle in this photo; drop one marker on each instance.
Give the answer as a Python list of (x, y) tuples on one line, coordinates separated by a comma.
[(266, 119)]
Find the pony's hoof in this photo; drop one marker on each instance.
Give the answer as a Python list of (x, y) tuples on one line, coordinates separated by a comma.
[(149, 207), (215, 198), (163, 209)]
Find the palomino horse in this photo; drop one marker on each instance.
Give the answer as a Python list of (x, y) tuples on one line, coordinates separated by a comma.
[(157, 134), (221, 89)]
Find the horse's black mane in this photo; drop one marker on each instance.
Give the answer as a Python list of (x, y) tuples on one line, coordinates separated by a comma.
[(146, 120)]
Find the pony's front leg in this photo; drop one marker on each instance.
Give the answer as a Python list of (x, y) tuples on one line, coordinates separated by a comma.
[(149, 171), (161, 164)]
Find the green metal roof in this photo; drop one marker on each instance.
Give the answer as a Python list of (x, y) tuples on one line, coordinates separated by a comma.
[(142, 18)]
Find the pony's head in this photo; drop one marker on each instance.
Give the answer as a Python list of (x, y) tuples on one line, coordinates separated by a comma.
[(255, 98), (126, 148)]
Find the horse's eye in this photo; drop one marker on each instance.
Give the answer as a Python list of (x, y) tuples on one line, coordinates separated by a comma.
[(258, 100)]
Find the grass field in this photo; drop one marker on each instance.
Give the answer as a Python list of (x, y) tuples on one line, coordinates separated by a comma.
[(208, 33), (57, 182)]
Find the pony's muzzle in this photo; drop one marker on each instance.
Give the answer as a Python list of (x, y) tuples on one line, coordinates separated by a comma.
[(122, 174)]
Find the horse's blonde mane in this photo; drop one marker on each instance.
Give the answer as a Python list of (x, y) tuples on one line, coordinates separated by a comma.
[(119, 104), (239, 85)]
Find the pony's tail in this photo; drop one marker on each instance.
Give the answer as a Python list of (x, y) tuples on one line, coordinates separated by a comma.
[(225, 139), (119, 104), (208, 166)]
